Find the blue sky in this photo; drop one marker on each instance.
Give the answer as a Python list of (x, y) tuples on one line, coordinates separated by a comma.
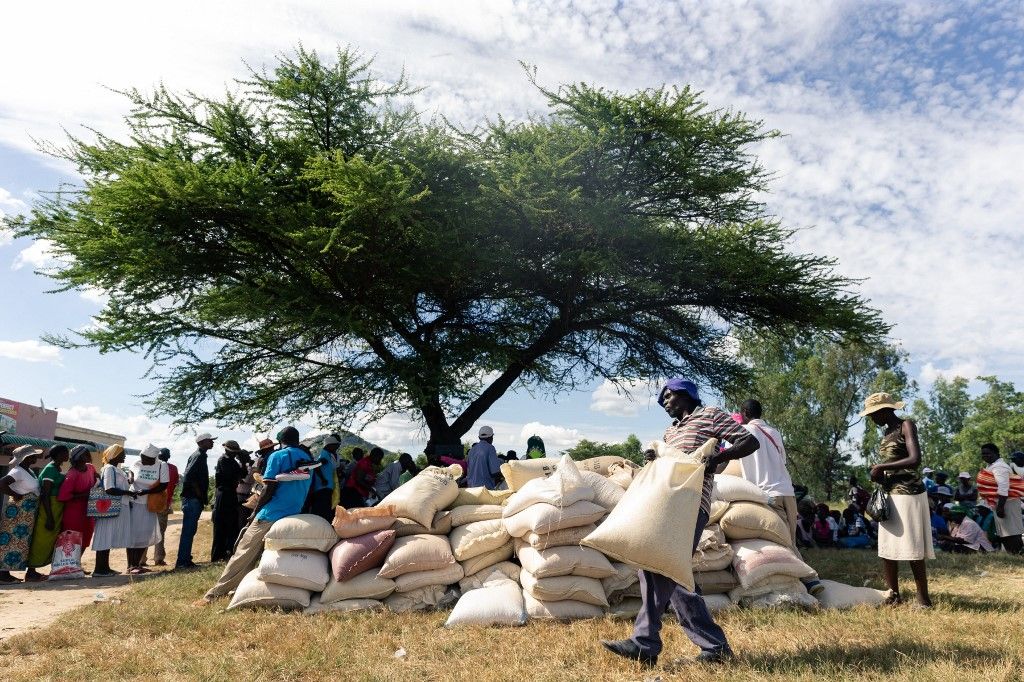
[(904, 129)]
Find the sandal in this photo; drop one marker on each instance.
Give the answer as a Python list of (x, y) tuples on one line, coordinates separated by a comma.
[(104, 574), (37, 578)]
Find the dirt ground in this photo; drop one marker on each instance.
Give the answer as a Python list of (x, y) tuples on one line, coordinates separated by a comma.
[(29, 606)]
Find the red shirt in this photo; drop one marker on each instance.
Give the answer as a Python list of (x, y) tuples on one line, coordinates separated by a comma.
[(364, 467), (172, 483)]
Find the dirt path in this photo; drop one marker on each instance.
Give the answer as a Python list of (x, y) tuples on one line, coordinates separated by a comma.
[(28, 606)]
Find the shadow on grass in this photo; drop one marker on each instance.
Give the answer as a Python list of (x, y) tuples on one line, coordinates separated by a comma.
[(894, 656), (972, 603)]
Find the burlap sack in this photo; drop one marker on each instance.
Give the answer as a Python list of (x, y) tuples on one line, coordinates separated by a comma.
[(502, 569), (550, 563), (469, 513), (427, 493), (662, 502), (750, 521), (478, 538), (519, 471), (350, 523), (497, 603), (480, 495)]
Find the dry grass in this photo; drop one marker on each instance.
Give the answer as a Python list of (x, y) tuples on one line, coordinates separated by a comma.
[(973, 633)]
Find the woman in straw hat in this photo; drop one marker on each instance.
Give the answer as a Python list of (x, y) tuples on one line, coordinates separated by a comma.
[(18, 516), (906, 534), (113, 532)]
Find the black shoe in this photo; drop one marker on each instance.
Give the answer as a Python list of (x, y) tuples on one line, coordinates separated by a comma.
[(627, 648), (715, 657)]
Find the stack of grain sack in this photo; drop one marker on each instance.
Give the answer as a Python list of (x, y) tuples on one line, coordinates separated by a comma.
[(502, 557)]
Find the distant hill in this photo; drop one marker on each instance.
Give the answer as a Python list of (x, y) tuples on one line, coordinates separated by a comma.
[(348, 439)]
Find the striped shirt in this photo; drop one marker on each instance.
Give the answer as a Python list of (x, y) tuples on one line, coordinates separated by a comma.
[(690, 432)]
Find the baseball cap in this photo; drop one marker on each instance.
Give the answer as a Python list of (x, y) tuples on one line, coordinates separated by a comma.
[(678, 385), (928, 470), (486, 431), (205, 436), (964, 474), (331, 440)]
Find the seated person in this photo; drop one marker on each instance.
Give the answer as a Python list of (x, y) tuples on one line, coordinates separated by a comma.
[(939, 525), (965, 535), (984, 517), (853, 532), (822, 529)]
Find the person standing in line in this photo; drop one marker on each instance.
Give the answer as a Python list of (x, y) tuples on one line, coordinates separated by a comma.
[(113, 532), (18, 520), (227, 474), (362, 479), (1009, 523), (149, 478), (159, 550), (324, 479), (766, 468), (906, 535), (692, 425), (278, 500), (195, 494), (390, 476), (1017, 463), (50, 515), (74, 493), (484, 468), (266, 448)]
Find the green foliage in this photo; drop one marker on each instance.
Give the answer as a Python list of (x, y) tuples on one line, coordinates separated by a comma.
[(996, 416), (307, 243), (939, 419), (812, 391), (586, 449)]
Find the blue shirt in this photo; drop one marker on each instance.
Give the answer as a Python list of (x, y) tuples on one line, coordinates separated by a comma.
[(939, 524), (483, 466), (289, 496), (929, 484), (325, 479)]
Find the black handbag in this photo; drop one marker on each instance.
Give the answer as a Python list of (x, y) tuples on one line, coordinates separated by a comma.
[(878, 506)]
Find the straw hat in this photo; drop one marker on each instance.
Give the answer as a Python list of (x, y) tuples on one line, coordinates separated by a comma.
[(22, 453), (880, 401)]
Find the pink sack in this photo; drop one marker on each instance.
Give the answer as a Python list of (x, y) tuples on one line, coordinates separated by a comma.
[(353, 556), (67, 556)]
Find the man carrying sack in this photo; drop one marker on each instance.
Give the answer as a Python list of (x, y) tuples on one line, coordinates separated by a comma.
[(692, 425)]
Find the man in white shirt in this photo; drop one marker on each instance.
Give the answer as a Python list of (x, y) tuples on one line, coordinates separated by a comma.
[(766, 468), (390, 476), (1009, 524)]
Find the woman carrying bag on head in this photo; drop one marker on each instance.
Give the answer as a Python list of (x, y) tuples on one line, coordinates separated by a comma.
[(113, 532), (906, 534), (18, 516)]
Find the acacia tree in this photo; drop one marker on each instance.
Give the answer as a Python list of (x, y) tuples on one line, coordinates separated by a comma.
[(308, 243)]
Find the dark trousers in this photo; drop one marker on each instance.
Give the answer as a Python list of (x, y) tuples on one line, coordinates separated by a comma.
[(225, 525), (351, 499), (320, 503), (191, 509), (658, 593)]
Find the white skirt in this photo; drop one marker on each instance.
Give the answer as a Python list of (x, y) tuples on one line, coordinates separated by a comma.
[(907, 534), (145, 526), (113, 532), (1012, 523)]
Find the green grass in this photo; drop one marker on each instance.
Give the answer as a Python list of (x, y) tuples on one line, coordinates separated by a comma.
[(974, 633)]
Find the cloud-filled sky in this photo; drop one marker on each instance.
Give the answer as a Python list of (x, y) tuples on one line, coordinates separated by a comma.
[(903, 122)]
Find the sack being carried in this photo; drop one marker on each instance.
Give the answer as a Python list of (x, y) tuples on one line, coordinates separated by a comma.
[(662, 502)]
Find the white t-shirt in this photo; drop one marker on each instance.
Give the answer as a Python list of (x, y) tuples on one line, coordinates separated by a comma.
[(145, 476), (24, 483), (766, 468)]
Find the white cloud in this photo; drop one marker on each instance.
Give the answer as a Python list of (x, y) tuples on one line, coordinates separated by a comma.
[(625, 400), (9, 205), (29, 351), (968, 369), (556, 438), (39, 254), (140, 430), (70, 390), (395, 432), (94, 295)]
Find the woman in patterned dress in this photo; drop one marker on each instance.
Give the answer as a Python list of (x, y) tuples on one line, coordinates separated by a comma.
[(18, 517)]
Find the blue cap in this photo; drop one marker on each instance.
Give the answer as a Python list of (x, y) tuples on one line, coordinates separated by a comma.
[(676, 386)]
